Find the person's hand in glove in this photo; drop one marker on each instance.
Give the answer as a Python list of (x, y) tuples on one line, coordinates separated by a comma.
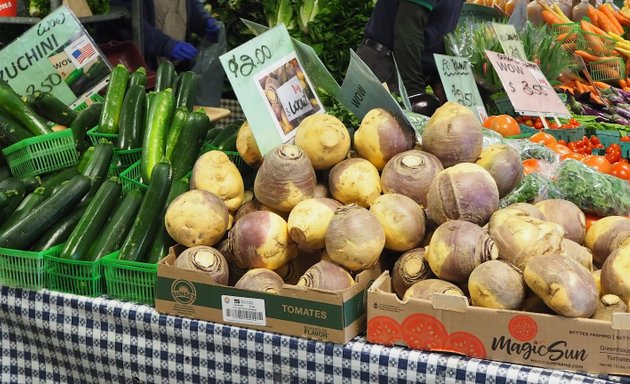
[(212, 30), (183, 51)]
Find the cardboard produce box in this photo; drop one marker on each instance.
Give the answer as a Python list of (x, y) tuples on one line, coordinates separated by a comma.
[(450, 324), (295, 311)]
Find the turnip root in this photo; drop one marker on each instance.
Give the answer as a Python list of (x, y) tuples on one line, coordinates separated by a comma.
[(205, 259), (529, 209), (567, 214), (327, 276), (294, 269), (424, 289), (453, 134), (309, 220), (324, 139), (354, 238), (533, 303), (235, 272), (403, 220), (597, 275), (577, 252), (197, 218), (564, 284), (247, 147), (615, 273), (497, 284), (255, 205), (354, 181), (520, 237), (381, 136), (261, 280), (214, 172), (456, 248), (504, 164), (321, 190), (285, 178), (605, 235), (261, 240), (607, 305), (410, 173), (463, 192), (410, 268)]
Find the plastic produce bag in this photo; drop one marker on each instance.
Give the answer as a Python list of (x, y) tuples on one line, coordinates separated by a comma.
[(208, 67), (532, 189), (594, 192)]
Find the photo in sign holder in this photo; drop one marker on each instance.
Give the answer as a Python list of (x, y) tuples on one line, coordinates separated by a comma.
[(459, 83), (527, 87), (272, 87)]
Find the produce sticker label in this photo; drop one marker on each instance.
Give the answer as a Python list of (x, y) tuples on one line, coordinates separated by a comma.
[(56, 55), (272, 86), (509, 40), (524, 84), (459, 84), (244, 310)]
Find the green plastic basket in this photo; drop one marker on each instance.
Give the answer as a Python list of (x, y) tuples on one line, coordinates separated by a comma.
[(131, 178), (75, 276), (130, 280), (609, 69), (501, 104), (123, 159), (232, 155), (96, 137), (569, 134), (526, 132), (607, 137), (586, 41), (25, 269), (42, 154)]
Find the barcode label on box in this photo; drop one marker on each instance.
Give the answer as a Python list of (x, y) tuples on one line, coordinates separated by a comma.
[(243, 310)]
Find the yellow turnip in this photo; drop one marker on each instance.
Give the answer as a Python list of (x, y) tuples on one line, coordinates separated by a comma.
[(403, 220), (247, 147), (424, 289), (497, 284), (214, 172), (410, 268), (309, 219), (567, 214), (327, 276), (504, 164), (205, 259), (606, 235), (324, 139), (261, 280), (615, 276), (354, 181), (410, 173)]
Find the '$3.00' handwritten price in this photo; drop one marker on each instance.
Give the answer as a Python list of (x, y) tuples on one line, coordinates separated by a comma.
[(534, 90), (245, 64)]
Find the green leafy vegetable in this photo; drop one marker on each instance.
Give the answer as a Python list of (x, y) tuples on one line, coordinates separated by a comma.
[(532, 188)]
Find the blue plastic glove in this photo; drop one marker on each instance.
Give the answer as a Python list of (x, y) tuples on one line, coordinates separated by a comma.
[(212, 30), (183, 51)]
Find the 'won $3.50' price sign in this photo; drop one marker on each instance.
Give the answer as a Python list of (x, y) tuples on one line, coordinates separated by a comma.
[(527, 87)]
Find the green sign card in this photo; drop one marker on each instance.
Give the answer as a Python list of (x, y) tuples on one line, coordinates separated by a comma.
[(58, 56), (272, 87), (509, 40), (459, 83)]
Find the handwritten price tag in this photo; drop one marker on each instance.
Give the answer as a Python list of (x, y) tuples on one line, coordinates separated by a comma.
[(529, 91), (459, 83), (509, 40), (272, 86)]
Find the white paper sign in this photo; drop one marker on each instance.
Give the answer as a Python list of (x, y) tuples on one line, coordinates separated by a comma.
[(294, 100), (243, 310)]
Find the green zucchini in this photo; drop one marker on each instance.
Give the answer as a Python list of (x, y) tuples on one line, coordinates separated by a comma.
[(132, 118), (142, 233), (186, 90), (4, 199), (165, 76), (4, 172), (163, 240), (85, 120), (212, 133), (74, 76), (54, 179), (53, 109), (29, 203), (226, 134), (25, 232), (110, 116), (156, 128), (13, 106), (85, 159), (11, 131), (92, 221), (178, 124), (116, 229), (59, 232), (13, 187), (138, 77), (229, 144), (190, 142), (98, 71), (98, 166), (31, 183)]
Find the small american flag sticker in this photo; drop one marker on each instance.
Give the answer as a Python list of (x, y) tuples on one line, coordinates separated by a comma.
[(83, 53)]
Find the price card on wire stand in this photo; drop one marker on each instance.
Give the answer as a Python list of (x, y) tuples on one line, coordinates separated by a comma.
[(527, 87), (509, 40), (459, 84), (272, 87), (58, 56)]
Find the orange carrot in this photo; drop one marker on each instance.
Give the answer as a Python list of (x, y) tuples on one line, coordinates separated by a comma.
[(622, 19), (601, 85), (610, 13), (590, 12), (622, 83), (550, 17), (587, 56), (590, 27), (606, 23)]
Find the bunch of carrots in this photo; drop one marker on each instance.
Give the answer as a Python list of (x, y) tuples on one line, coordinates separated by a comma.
[(577, 87)]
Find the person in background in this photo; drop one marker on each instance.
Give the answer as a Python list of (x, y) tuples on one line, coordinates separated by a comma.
[(410, 31)]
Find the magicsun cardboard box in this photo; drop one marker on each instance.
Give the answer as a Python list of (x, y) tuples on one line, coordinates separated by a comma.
[(450, 324), (295, 311)]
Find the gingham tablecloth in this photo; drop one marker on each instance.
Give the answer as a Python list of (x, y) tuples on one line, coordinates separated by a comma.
[(54, 337)]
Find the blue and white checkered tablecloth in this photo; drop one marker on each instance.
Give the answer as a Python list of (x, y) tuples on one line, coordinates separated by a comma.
[(54, 337)]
